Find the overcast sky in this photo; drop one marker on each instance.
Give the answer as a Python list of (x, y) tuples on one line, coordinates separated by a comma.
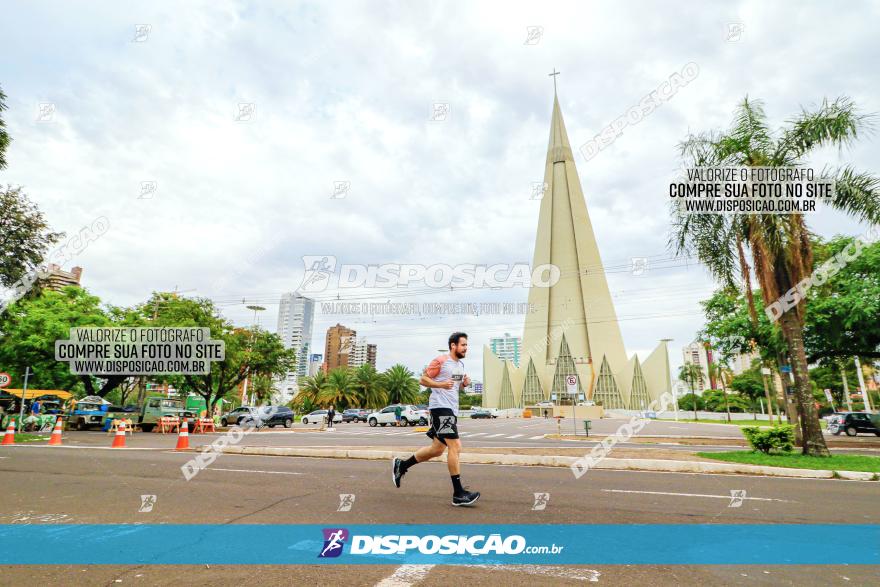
[(344, 91)]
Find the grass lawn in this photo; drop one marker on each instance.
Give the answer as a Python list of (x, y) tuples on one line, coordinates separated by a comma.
[(723, 420), (759, 423), (799, 461), (25, 437)]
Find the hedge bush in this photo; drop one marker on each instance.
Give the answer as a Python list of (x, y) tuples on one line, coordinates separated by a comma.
[(780, 438)]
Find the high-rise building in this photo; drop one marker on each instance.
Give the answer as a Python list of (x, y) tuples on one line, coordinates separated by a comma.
[(59, 278), (362, 353), (700, 354), (506, 347), (315, 364), (296, 314), (338, 347), (574, 333)]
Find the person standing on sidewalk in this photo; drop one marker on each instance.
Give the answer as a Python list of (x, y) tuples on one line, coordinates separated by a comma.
[(397, 411), (331, 413), (445, 376)]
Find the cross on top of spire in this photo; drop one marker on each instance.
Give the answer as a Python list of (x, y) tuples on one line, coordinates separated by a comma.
[(553, 75)]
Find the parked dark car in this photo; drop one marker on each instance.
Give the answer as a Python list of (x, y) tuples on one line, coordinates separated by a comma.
[(270, 416), (354, 415), (481, 414), (852, 423)]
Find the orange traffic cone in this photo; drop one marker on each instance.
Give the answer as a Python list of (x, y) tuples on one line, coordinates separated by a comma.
[(119, 439), (183, 437), (9, 437), (55, 439)]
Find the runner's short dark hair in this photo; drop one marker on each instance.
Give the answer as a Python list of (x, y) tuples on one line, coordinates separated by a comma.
[(454, 338)]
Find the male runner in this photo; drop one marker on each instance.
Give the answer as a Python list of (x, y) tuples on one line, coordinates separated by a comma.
[(445, 376)]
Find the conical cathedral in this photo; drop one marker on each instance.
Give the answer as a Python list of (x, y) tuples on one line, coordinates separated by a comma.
[(573, 329)]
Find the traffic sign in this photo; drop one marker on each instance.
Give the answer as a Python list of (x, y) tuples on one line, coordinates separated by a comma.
[(571, 384), (5, 379)]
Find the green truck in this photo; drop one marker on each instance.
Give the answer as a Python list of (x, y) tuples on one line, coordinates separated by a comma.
[(156, 408)]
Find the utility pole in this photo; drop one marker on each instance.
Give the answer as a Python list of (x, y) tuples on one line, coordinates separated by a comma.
[(845, 386), (765, 372), (27, 372), (861, 377), (247, 367)]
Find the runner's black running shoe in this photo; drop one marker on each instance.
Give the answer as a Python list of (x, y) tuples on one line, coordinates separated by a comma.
[(396, 471), (466, 498)]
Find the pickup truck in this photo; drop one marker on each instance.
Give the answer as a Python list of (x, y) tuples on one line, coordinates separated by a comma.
[(87, 415)]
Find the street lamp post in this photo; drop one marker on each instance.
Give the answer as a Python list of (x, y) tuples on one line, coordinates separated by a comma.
[(250, 347)]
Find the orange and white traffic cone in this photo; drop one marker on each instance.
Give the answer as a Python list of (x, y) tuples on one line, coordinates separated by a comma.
[(9, 437), (55, 439), (119, 439), (183, 437)]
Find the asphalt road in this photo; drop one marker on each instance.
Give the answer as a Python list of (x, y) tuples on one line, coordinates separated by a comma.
[(90, 485), (501, 433)]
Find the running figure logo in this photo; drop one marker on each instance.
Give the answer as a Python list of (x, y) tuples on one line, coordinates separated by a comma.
[(318, 269), (541, 501), (346, 500), (147, 503), (447, 424), (736, 498), (334, 539)]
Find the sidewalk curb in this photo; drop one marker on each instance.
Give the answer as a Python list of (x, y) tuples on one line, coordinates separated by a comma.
[(659, 465)]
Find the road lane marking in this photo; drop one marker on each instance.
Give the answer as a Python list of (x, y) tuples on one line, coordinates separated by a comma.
[(253, 471), (694, 495), (478, 434), (515, 436), (406, 575), (494, 435), (577, 574), (536, 437)]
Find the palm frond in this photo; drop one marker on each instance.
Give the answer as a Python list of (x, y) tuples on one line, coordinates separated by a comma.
[(833, 123), (857, 194)]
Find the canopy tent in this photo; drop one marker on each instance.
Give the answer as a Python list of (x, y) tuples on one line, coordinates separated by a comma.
[(35, 393)]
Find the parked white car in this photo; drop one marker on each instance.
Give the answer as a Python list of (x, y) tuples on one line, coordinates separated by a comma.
[(409, 416), (319, 416)]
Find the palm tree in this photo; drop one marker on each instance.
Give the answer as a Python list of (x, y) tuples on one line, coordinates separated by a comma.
[(779, 245), (340, 389), (719, 372), (309, 392), (367, 382), (400, 385), (691, 373)]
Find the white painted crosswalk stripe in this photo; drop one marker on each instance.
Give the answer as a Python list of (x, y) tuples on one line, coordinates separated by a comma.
[(536, 437), (515, 436), (494, 435)]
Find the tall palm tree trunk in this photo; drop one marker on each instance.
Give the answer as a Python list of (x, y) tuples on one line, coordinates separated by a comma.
[(811, 432)]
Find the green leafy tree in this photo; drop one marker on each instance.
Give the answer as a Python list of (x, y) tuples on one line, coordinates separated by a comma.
[(309, 391), (779, 245), (248, 351), (5, 139), (368, 384), (30, 327), (691, 401), (841, 317), (690, 374), (401, 385), (749, 383), (25, 237), (263, 387), (339, 390)]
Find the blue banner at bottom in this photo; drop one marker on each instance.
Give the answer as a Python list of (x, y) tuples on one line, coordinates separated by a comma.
[(575, 544)]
